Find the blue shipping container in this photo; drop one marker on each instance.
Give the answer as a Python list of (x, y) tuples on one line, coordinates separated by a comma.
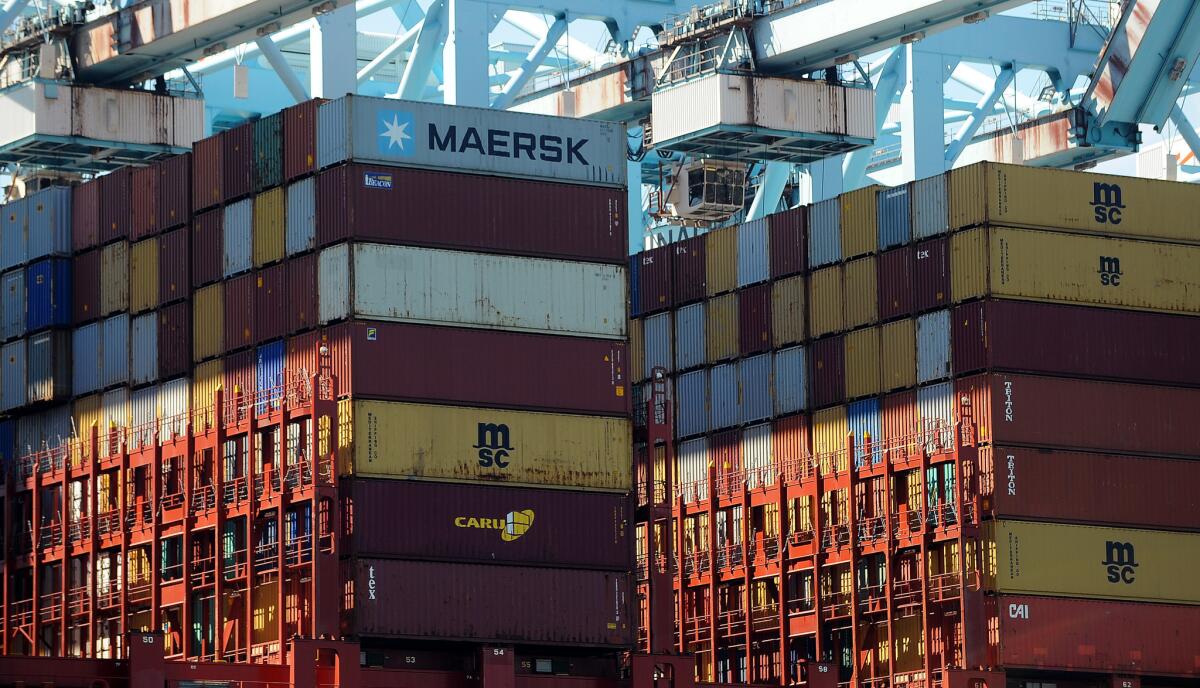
[(754, 388), (268, 373), (689, 336), (825, 233), (114, 341), (300, 218), (935, 414), (12, 304), (238, 242), (723, 396), (933, 346), (691, 403), (144, 355), (48, 294), (89, 359), (893, 217), (753, 262), (791, 381), (656, 338), (8, 443), (14, 247), (866, 425), (12, 375), (49, 223)]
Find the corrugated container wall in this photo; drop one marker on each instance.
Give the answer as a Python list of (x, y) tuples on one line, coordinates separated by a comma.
[(654, 279), (88, 359), (269, 230), (754, 319), (757, 455), (239, 312), (300, 139), (930, 216), (208, 322), (861, 292), (790, 380), (721, 327), (50, 222), (271, 304), (85, 287), (895, 283), (207, 378), (208, 238), (788, 314), (720, 260), (723, 396), (207, 173), (116, 214), (237, 161), (753, 258), (237, 242), (754, 389), (48, 294), (828, 363), (931, 275), (13, 368), (114, 278), (85, 216), (12, 304), (863, 370), (174, 340), (898, 345), (240, 375), (689, 337), (144, 275), (114, 334), (145, 202), (656, 333), (933, 346), (935, 411), (688, 270), (174, 191), (865, 423), (173, 402), (269, 374), (691, 399), (825, 299), (860, 234), (899, 412), (174, 264), (301, 278), (895, 217), (144, 360), (301, 217), (268, 151), (14, 243), (48, 356), (143, 405), (787, 234), (824, 233)]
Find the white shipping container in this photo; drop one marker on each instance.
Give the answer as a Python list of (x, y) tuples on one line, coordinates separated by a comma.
[(935, 415), (301, 217), (756, 456), (657, 340), (422, 285), (691, 473), (144, 415), (933, 346), (752, 255), (173, 402), (689, 336), (114, 419), (691, 403), (238, 242)]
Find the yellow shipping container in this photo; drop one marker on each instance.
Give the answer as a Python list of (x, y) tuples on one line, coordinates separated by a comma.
[(86, 412), (208, 322), (637, 351), (720, 260), (825, 301), (1065, 201), (787, 311), (143, 276), (268, 227), (721, 327), (861, 293), (207, 378), (860, 233), (394, 440), (1078, 269), (829, 431), (862, 363), (898, 344), (1086, 561), (114, 278)]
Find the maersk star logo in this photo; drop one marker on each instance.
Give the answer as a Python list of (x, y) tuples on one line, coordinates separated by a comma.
[(396, 130)]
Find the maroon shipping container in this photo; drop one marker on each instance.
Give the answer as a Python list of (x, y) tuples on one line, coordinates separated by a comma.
[(788, 233), (240, 375), (480, 368), (895, 283), (477, 602), (754, 319), (725, 451), (301, 357), (239, 312), (899, 416), (237, 161), (1067, 413), (85, 216), (301, 305), (174, 265), (174, 191), (827, 365), (300, 139), (174, 339), (270, 304), (1101, 489), (486, 524), (931, 274), (472, 211), (85, 287), (207, 173), (1076, 341), (208, 231), (654, 279), (688, 281), (144, 199), (1097, 635), (116, 212)]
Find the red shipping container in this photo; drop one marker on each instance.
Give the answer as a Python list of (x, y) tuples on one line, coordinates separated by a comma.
[(301, 357), (85, 287), (789, 250), (85, 216), (480, 368), (688, 282), (207, 174), (174, 191), (174, 339), (301, 288), (144, 197), (1101, 489), (790, 441), (478, 602), (754, 319), (240, 375), (895, 283), (472, 211), (239, 312), (654, 279), (725, 451), (237, 161), (1068, 413), (488, 524), (116, 213), (270, 304), (300, 139), (1097, 635), (899, 418), (174, 264), (931, 274), (207, 248), (1076, 341), (827, 366)]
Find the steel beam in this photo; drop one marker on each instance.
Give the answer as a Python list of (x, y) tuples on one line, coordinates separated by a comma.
[(401, 44), (922, 132), (465, 54), (1186, 130), (521, 75), (887, 86), (766, 201), (10, 12), (278, 62), (984, 108), (333, 53), (420, 61)]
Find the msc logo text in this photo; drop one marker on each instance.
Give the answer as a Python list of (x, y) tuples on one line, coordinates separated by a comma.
[(512, 526), (1110, 271), (493, 445), (1106, 203), (1119, 561)]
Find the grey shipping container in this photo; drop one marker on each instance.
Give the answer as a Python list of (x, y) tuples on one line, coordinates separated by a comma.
[(691, 403), (691, 469), (723, 396), (238, 244), (301, 217), (933, 346), (173, 404), (754, 388), (88, 359), (143, 408), (144, 353), (12, 375), (689, 336), (49, 361), (12, 304), (756, 455), (657, 341), (894, 217), (13, 244), (825, 233), (930, 213), (461, 139), (114, 333), (49, 223), (791, 381), (935, 413), (753, 259)]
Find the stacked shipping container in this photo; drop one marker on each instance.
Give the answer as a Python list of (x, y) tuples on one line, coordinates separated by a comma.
[(876, 396)]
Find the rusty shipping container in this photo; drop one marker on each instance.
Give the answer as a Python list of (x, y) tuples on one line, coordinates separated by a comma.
[(301, 287), (484, 213), (471, 366), (271, 307), (207, 173), (174, 340), (1068, 413), (174, 191), (144, 199), (237, 162), (116, 211), (654, 279), (85, 215), (300, 139), (1077, 341), (788, 232), (688, 270), (174, 266), (1079, 487), (488, 524), (433, 600), (240, 322), (208, 253)]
